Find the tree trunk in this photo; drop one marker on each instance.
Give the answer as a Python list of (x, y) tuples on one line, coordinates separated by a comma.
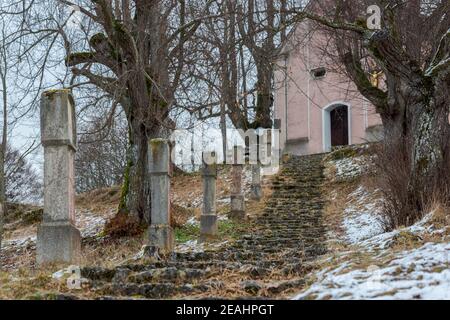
[(264, 100), (136, 196), (429, 126), (3, 149), (422, 128), (2, 194), (223, 129)]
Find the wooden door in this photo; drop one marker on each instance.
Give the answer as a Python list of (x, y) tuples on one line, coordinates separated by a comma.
[(339, 126)]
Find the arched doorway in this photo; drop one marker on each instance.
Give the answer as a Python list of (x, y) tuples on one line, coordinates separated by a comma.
[(336, 121)]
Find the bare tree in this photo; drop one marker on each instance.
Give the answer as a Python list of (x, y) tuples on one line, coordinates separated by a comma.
[(16, 102), (243, 45), (23, 183), (131, 53), (140, 46), (101, 156), (4, 134)]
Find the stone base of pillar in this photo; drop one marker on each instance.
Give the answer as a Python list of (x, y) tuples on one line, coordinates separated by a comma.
[(256, 192), (161, 237), (208, 227), (237, 207), (58, 243)]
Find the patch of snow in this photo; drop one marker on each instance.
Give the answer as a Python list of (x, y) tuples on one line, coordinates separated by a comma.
[(19, 242), (197, 246), (226, 200), (361, 218), (190, 246), (90, 225), (349, 168), (422, 273), (222, 217), (384, 240), (192, 221)]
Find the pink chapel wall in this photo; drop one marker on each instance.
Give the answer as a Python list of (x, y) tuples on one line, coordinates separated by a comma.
[(307, 98)]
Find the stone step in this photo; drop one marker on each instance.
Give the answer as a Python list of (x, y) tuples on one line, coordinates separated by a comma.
[(158, 290), (284, 241), (170, 274)]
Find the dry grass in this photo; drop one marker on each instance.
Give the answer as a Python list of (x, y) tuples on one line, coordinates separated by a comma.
[(407, 198), (441, 215), (337, 196), (109, 252), (406, 241), (122, 225), (99, 201)]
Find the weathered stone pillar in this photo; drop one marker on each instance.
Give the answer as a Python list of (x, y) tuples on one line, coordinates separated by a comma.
[(276, 148), (237, 195), (160, 233), (208, 219), (256, 188), (58, 241), (263, 159)]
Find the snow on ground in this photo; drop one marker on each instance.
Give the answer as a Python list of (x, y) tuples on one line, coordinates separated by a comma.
[(422, 273), (348, 168), (193, 221), (384, 240), (90, 225), (197, 246), (369, 265), (361, 218), (20, 242)]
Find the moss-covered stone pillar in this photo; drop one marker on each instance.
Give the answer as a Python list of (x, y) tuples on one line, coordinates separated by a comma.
[(160, 233), (58, 241), (237, 195), (208, 219)]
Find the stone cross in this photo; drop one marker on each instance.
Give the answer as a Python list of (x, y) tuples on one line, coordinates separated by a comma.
[(237, 195), (58, 241), (208, 219), (160, 233)]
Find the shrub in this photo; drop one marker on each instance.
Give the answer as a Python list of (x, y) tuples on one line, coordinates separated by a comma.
[(406, 200)]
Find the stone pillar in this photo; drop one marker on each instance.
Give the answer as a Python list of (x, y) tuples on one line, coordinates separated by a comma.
[(208, 219), (160, 233), (58, 241), (237, 195), (262, 159), (276, 149), (256, 188)]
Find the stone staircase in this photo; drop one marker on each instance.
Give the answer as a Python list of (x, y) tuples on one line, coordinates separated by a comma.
[(269, 262)]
